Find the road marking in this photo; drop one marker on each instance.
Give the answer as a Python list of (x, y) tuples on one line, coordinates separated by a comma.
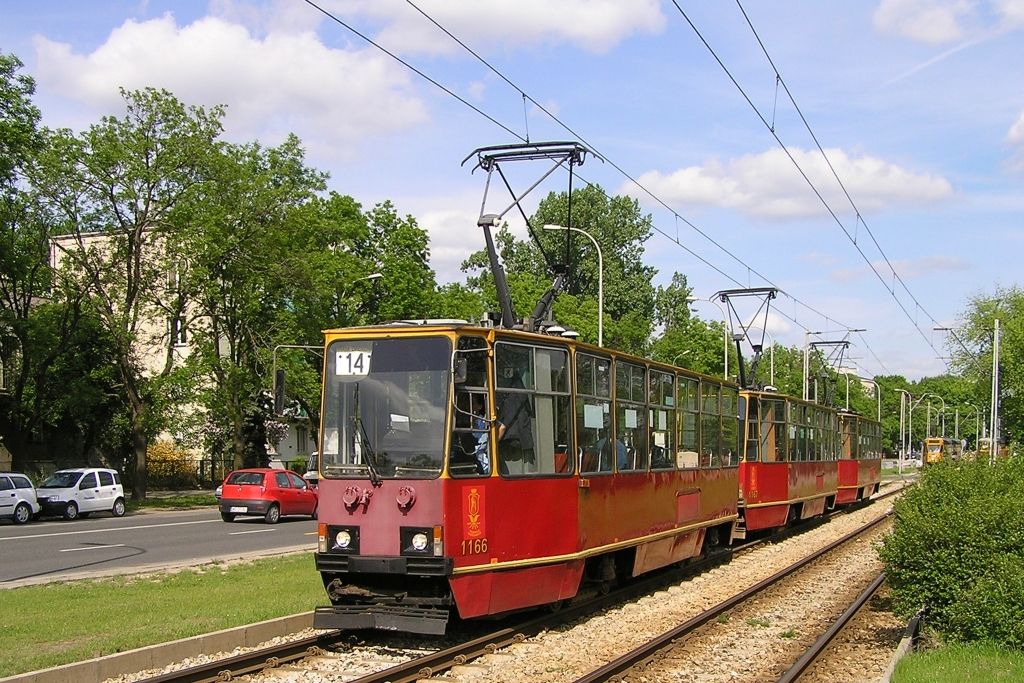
[(311, 533), (92, 547), (103, 531), (254, 531)]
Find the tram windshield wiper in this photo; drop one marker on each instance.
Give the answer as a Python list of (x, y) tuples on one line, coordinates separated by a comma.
[(364, 442)]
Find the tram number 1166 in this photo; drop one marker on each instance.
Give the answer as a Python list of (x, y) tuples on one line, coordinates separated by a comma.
[(475, 546)]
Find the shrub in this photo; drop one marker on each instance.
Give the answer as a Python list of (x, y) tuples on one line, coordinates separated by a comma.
[(171, 467), (297, 465), (957, 545)]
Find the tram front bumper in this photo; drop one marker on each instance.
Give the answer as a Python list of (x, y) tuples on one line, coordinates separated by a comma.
[(424, 620)]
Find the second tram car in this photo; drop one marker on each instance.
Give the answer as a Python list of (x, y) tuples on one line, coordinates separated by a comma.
[(860, 457), (790, 470)]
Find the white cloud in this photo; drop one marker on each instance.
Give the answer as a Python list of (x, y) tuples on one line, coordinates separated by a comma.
[(595, 25), (909, 269), (286, 81), (943, 21), (767, 185), (1015, 138), (454, 235), (928, 21)]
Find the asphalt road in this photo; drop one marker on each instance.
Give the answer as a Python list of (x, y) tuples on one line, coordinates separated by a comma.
[(50, 550)]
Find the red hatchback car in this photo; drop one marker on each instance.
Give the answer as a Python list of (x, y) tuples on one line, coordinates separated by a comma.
[(266, 493)]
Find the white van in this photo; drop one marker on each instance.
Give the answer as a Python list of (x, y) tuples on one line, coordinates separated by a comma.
[(82, 491)]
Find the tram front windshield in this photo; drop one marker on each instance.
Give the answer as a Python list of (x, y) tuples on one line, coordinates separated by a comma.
[(385, 406)]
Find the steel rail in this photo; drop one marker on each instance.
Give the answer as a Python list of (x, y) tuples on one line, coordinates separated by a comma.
[(815, 650), (250, 662), (645, 653)]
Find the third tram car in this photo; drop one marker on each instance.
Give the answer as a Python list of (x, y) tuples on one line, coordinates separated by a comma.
[(938, 448)]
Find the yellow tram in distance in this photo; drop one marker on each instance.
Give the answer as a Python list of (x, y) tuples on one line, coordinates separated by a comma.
[(938, 448)]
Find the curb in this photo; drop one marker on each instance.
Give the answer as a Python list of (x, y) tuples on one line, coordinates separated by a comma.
[(905, 646), (159, 656)]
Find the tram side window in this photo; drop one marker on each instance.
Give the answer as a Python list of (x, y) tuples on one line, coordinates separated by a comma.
[(749, 407), (630, 418), (813, 441), (661, 416), (593, 413), (470, 451), (533, 409), (710, 425), (792, 429), (773, 430), (730, 428), (688, 455)]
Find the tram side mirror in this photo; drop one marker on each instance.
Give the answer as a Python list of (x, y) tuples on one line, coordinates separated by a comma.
[(461, 370)]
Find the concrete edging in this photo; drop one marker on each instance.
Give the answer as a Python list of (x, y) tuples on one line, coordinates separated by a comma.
[(159, 656)]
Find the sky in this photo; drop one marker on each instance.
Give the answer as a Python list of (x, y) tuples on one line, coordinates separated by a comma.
[(917, 104)]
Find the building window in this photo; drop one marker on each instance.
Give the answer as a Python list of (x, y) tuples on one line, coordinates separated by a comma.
[(178, 335), (301, 436)]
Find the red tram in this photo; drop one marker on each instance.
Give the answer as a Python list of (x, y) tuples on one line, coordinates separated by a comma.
[(491, 467), (491, 470)]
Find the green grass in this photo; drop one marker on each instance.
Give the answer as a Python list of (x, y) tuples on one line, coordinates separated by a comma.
[(758, 622), (59, 623), (177, 502), (962, 664)]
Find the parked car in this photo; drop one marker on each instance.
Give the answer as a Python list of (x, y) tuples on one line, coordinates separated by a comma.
[(17, 497), (266, 493), (80, 492)]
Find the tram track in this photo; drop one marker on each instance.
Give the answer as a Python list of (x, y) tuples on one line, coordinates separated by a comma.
[(331, 645), (639, 658)]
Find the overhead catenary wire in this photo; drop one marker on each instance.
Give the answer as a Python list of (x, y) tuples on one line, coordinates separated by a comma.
[(815, 190), (526, 97), (618, 168)]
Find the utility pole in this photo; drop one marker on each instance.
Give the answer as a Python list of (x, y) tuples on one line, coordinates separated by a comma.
[(994, 436)]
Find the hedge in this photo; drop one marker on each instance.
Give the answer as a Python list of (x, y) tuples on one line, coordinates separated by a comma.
[(957, 547)]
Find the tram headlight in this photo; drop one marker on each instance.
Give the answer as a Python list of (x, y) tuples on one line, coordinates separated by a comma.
[(343, 540), (419, 542)]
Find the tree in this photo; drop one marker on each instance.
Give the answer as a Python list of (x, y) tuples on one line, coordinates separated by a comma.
[(241, 262), (620, 228), (132, 185), (973, 359)]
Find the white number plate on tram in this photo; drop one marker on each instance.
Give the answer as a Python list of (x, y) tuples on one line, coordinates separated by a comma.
[(352, 363)]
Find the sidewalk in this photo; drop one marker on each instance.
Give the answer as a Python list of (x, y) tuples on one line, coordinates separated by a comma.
[(176, 494)]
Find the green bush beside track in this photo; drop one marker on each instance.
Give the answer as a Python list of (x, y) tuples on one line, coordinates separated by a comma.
[(957, 547)]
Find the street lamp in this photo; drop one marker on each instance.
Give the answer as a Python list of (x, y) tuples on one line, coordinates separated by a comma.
[(977, 423), (725, 322), (600, 279)]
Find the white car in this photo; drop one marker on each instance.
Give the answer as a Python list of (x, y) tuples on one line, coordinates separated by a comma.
[(82, 491), (17, 497)]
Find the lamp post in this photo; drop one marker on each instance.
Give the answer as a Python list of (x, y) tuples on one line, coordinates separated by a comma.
[(771, 355), (878, 392), (905, 398), (600, 279), (913, 405), (807, 361), (725, 322), (977, 424)]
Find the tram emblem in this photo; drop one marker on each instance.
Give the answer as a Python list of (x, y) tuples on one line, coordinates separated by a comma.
[(473, 512)]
